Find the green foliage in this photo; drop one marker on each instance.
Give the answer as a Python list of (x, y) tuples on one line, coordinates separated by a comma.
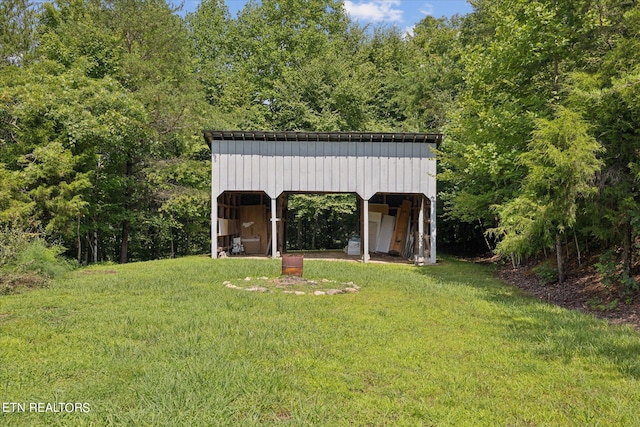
[(546, 273), (27, 260), (38, 257), (17, 31), (527, 65), (608, 268), (612, 274), (102, 103), (561, 163), (13, 241), (320, 221)]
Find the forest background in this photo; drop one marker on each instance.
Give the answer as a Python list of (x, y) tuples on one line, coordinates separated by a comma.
[(102, 104)]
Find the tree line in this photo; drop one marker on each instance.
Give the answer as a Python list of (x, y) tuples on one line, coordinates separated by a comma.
[(102, 103)]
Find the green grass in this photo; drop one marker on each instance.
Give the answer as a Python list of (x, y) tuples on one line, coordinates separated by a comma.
[(165, 343)]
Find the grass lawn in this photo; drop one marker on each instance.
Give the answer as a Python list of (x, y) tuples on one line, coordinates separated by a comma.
[(165, 343)]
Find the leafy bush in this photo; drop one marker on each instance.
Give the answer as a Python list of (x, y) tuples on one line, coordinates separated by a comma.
[(27, 260), (611, 273), (546, 273), (629, 284), (608, 268), (12, 242), (40, 258)]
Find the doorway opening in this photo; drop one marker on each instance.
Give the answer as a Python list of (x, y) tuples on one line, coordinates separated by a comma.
[(318, 221)]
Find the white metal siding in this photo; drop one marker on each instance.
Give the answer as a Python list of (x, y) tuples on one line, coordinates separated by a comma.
[(364, 168)]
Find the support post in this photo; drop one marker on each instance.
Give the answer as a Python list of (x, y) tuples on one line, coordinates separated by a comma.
[(365, 233), (274, 229), (214, 226), (419, 259), (433, 230), (214, 204)]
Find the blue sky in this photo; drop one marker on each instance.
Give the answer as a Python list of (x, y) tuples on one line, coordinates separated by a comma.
[(404, 14)]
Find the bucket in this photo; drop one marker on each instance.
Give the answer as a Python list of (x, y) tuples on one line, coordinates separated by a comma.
[(292, 265)]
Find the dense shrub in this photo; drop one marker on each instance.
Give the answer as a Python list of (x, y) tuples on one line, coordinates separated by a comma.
[(27, 260), (546, 273)]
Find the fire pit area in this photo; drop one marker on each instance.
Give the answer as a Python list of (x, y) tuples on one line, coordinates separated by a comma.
[(293, 285)]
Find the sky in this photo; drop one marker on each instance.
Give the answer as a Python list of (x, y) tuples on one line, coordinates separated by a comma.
[(403, 14)]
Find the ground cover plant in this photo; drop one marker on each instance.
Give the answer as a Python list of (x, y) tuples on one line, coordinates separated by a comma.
[(167, 343)]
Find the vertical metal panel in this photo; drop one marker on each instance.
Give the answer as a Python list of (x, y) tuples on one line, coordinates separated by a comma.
[(295, 165), (238, 171), (254, 165), (223, 167), (288, 167), (304, 165), (384, 166), (407, 170), (361, 171), (319, 165), (352, 167), (215, 173), (343, 166), (246, 163), (328, 170), (393, 167), (416, 162), (271, 165), (334, 176), (374, 167), (366, 168), (279, 169)]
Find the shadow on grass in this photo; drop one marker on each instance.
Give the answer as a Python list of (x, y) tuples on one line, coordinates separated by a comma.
[(545, 330)]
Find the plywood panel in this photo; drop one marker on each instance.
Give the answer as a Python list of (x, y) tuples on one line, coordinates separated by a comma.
[(386, 233), (379, 207), (253, 223), (375, 219), (400, 230)]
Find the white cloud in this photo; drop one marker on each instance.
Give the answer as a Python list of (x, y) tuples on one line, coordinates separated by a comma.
[(374, 10), (427, 9), (408, 32)]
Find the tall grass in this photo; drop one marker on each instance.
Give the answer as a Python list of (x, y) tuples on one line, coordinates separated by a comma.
[(165, 343)]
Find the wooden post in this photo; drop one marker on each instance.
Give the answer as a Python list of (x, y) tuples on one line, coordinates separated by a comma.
[(365, 234), (419, 257), (274, 229), (433, 231), (282, 200), (214, 226)]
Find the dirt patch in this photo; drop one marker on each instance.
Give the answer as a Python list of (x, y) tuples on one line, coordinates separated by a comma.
[(11, 283), (583, 290), (91, 272)]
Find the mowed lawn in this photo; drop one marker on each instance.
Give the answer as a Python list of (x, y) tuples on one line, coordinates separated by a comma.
[(166, 343)]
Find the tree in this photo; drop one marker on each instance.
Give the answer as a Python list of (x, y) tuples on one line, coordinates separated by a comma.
[(70, 134), (143, 45), (321, 221), (431, 76), (520, 61), (561, 162), (17, 31)]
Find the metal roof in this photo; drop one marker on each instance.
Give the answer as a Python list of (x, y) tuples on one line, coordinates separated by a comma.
[(245, 135)]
